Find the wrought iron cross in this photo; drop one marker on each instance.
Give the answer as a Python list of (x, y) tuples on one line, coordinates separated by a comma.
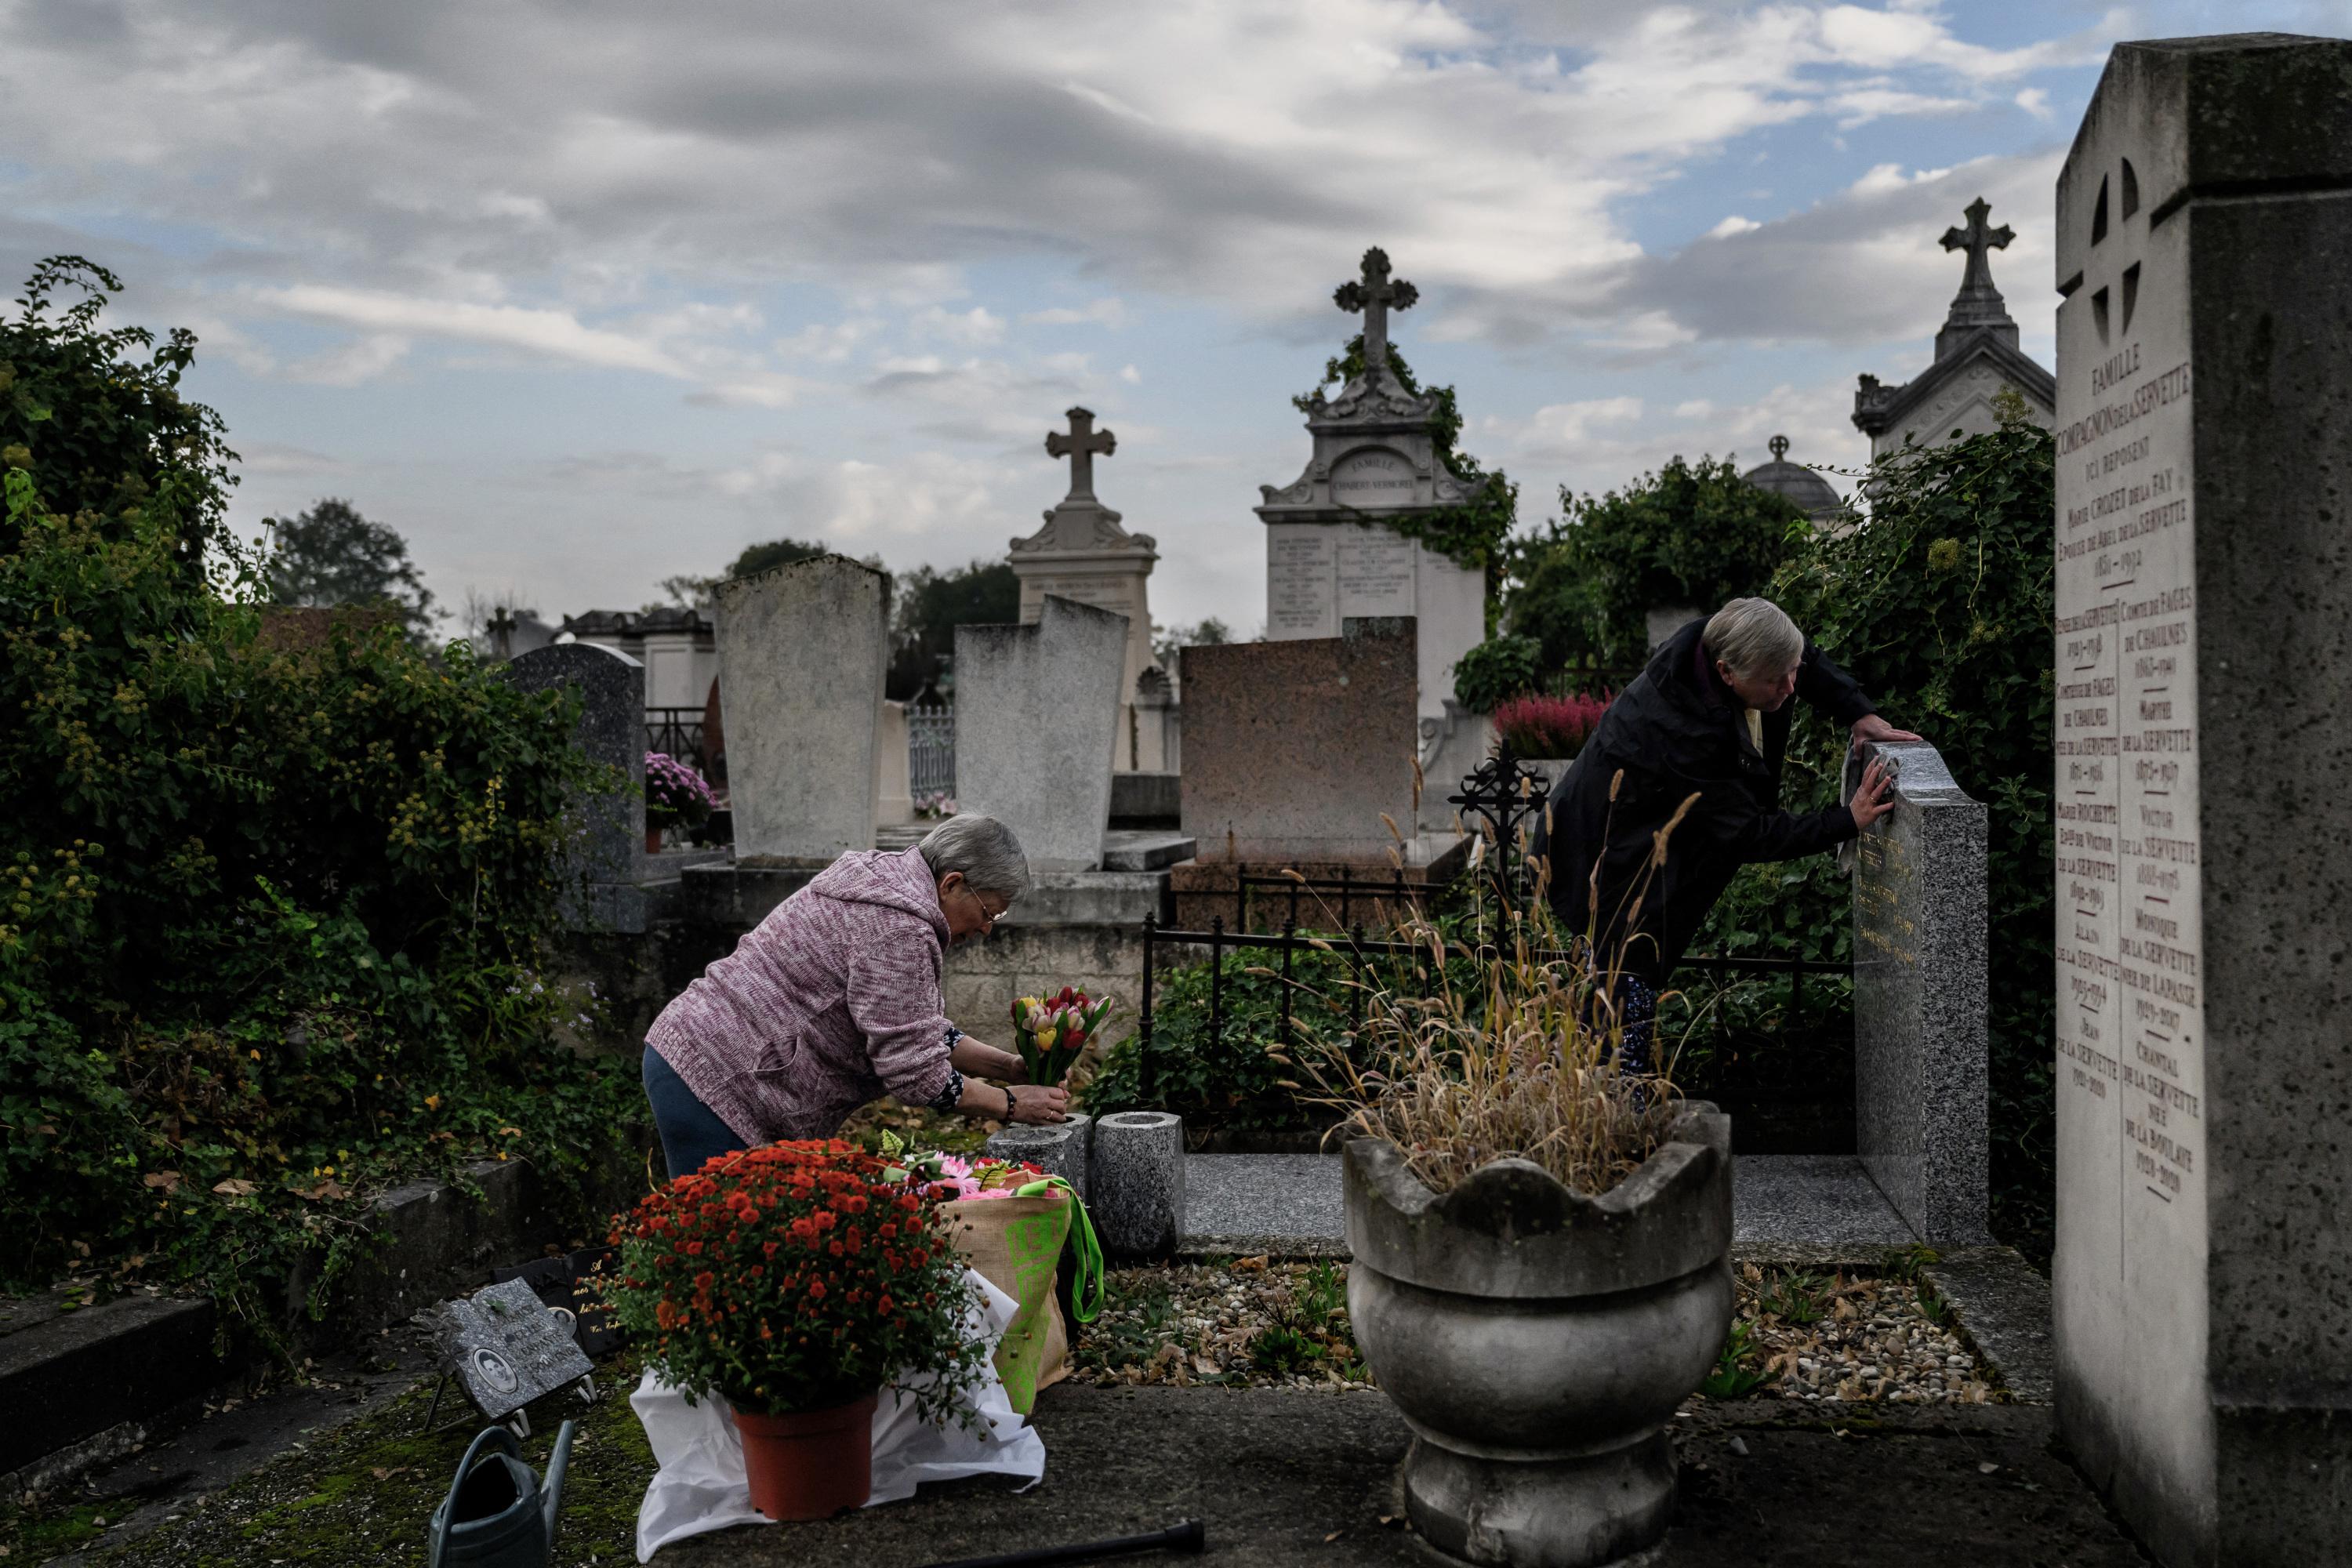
[(1375, 296), (1080, 446), (1976, 240)]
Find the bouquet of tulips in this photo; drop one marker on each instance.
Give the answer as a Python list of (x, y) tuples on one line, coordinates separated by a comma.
[(1050, 1031)]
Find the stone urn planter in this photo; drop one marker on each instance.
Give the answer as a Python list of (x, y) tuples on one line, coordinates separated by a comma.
[(1537, 1341)]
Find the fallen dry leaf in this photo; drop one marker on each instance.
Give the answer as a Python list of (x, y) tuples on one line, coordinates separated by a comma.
[(168, 1180), (328, 1189), (234, 1186)]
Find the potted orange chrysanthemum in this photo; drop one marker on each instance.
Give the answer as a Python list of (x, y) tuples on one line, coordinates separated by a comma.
[(797, 1281)]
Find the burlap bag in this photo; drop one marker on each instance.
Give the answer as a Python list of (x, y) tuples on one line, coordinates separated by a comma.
[(1016, 1243)]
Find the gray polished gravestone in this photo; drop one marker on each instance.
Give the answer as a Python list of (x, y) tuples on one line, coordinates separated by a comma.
[(1919, 1039), (2202, 1276), (611, 731)]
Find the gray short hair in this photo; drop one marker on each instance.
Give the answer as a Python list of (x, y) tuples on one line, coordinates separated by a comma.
[(1754, 637), (983, 849)]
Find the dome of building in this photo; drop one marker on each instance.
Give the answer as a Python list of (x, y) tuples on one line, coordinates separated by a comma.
[(1813, 494)]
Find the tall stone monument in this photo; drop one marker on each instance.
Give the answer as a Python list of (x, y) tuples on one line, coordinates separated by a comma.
[(2203, 1280), (1036, 710), (1083, 554), (1976, 357), (801, 657), (1328, 556)]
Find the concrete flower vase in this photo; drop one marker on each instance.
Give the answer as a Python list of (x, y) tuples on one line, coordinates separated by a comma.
[(1537, 1340)]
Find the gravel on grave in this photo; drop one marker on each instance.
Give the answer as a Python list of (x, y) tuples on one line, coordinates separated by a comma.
[(1832, 1339)]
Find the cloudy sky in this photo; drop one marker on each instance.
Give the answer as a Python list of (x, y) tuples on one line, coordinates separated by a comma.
[(582, 295)]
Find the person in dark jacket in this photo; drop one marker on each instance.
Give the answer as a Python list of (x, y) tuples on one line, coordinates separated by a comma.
[(1707, 723)]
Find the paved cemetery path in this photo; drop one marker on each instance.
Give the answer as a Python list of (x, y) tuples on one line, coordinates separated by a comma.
[(1284, 1478)]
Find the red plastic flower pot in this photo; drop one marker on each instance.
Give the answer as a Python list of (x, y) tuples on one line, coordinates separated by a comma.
[(811, 1464)]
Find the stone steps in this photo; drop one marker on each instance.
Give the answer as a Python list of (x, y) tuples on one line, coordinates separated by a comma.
[(82, 1385)]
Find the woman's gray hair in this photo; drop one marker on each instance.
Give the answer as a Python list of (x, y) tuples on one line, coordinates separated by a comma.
[(1754, 637), (983, 849)]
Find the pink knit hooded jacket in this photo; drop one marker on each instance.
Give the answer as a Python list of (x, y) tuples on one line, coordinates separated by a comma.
[(829, 1003)]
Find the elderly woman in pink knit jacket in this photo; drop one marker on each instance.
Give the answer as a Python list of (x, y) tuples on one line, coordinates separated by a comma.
[(834, 1001)]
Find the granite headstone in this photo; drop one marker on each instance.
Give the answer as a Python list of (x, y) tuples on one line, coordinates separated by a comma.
[(2202, 1276), (1037, 714), (1302, 750), (611, 731), (1919, 1038), (802, 650)]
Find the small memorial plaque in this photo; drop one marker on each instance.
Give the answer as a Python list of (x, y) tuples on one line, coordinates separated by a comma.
[(508, 1348)]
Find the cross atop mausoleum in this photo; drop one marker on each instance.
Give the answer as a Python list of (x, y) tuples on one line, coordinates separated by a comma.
[(1080, 446), (1375, 296), (1976, 240), (1779, 445)]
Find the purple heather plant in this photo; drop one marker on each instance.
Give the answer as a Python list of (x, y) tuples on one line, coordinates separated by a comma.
[(675, 792)]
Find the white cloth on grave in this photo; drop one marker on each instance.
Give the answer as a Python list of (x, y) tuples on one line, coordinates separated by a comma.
[(699, 1483)]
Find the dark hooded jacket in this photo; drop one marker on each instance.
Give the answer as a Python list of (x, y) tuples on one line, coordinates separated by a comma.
[(1678, 731)]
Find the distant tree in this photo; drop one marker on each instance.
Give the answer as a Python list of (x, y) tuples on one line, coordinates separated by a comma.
[(689, 592), (1167, 642), (332, 555), (931, 603)]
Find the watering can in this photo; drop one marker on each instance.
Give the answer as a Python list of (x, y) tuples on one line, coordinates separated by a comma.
[(497, 1514)]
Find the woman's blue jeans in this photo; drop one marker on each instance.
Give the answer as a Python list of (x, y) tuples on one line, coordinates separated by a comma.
[(691, 1133)]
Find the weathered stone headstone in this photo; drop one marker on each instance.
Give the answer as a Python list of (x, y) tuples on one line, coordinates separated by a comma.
[(801, 656), (1919, 1039), (611, 731), (1327, 557), (1302, 750), (1084, 555), (1036, 713), (506, 1348), (893, 789), (2202, 1279)]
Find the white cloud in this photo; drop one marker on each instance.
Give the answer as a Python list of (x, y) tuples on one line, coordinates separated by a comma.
[(2035, 102), (557, 335), (1106, 313), (1129, 374), (973, 327), (1733, 225)]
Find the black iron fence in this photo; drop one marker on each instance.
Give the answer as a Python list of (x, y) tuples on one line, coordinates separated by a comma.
[(1356, 953)]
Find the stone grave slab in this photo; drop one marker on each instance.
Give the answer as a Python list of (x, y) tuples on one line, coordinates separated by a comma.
[(1919, 997), (2203, 1268), (801, 657), (1292, 1205), (1036, 715)]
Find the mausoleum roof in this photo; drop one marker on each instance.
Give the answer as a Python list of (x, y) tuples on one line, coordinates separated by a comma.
[(1814, 495)]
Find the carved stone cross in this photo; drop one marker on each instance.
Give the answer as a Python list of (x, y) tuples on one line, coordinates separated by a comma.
[(1080, 446), (1779, 445), (1976, 240), (1375, 296)]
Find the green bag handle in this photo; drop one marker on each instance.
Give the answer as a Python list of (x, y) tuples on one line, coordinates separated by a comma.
[(1082, 1237)]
